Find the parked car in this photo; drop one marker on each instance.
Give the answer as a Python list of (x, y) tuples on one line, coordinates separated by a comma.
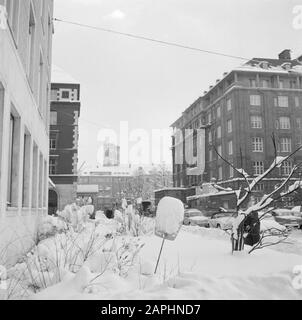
[(268, 222), (288, 218), (195, 217), (222, 220)]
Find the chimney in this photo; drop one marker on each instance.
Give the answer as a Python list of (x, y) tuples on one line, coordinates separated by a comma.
[(285, 55)]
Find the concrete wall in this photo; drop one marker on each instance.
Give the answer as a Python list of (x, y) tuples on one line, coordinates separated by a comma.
[(24, 93)]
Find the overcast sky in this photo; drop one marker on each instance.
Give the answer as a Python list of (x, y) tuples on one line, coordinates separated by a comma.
[(148, 84)]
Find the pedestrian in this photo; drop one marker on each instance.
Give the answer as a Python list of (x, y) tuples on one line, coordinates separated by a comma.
[(252, 226)]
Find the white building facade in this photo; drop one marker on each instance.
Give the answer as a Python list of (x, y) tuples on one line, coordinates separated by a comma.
[(26, 30)]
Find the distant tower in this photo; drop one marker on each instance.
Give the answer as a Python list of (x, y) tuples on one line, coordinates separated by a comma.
[(111, 155)]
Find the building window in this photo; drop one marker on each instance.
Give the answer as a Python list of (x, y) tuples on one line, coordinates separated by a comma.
[(31, 45), (26, 171), (293, 84), (41, 85), (230, 147), (210, 137), (252, 83), (218, 132), (53, 142), (297, 102), (284, 123), (53, 118), (259, 187), (281, 101), (285, 145), (65, 94), (13, 161), (219, 150), (220, 173), (218, 112), (209, 118), (229, 104), (257, 144), (52, 166), (229, 126), (34, 184), (256, 122), (231, 172), (211, 155), (255, 100), (281, 84), (286, 168), (298, 123), (265, 83), (258, 168)]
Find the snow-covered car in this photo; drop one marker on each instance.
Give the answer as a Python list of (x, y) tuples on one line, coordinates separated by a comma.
[(195, 217), (222, 220), (268, 223), (287, 218)]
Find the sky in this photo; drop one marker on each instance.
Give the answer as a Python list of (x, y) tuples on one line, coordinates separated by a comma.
[(147, 84)]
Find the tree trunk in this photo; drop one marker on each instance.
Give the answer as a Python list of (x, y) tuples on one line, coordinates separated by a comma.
[(238, 243)]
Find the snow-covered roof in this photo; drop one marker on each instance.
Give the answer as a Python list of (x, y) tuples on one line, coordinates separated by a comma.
[(221, 193), (170, 189), (58, 75)]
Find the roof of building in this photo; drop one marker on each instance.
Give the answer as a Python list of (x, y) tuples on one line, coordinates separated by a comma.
[(58, 75)]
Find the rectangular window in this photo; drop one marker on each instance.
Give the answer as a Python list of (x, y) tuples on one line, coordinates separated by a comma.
[(218, 132), (257, 144), (210, 137), (218, 112), (285, 145), (255, 100), (53, 142), (281, 101), (229, 126), (34, 197), (52, 166), (293, 84), (41, 173), (298, 123), (297, 102), (220, 173), (26, 171), (231, 172), (259, 187), (31, 45), (219, 150), (286, 168), (252, 83), (281, 84), (53, 118), (41, 85), (284, 123), (256, 122), (265, 83), (13, 161), (229, 104), (230, 147), (211, 155), (258, 168)]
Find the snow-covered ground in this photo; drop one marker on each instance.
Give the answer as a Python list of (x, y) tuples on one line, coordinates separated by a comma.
[(197, 265)]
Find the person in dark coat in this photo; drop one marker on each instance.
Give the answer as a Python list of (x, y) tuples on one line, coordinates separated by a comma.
[(252, 226)]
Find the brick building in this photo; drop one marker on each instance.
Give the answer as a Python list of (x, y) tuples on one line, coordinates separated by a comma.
[(63, 143), (26, 31), (239, 115)]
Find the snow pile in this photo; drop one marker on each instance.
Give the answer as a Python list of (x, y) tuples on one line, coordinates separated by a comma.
[(49, 226), (197, 265), (169, 217)]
